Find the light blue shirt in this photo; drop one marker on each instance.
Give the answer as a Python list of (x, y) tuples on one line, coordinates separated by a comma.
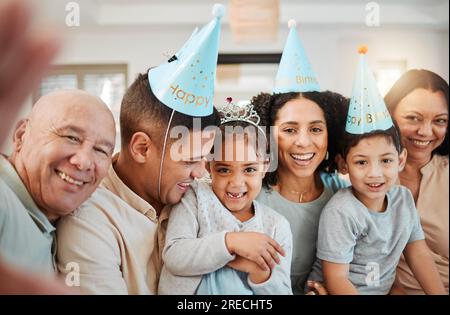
[(370, 242), (27, 238)]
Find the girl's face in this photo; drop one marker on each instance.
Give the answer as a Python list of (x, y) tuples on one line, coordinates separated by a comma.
[(237, 177), (422, 117), (302, 136), (373, 166)]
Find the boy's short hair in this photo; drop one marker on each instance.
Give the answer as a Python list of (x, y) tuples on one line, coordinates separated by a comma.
[(142, 111), (392, 135)]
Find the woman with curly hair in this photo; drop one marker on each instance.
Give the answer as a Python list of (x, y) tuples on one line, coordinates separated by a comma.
[(418, 102), (305, 125)]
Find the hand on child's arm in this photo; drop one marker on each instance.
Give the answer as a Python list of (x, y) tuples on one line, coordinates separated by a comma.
[(336, 279), (422, 265), (255, 273), (257, 247), (315, 288)]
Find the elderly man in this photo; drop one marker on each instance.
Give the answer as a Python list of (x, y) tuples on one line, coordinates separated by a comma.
[(61, 153)]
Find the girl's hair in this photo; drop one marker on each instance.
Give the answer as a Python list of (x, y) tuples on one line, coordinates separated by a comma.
[(333, 105), (249, 132), (415, 79), (392, 135)]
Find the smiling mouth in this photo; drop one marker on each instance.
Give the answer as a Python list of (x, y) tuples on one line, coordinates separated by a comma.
[(184, 186), (236, 196), (69, 179), (375, 186), (420, 143), (303, 157)]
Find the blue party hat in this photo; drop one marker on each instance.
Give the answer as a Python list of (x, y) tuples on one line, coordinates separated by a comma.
[(185, 83), (367, 110), (295, 73)]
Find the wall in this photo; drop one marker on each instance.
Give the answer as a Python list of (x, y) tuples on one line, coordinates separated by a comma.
[(331, 49)]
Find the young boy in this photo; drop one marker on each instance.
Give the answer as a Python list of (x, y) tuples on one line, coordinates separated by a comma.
[(365, 228)]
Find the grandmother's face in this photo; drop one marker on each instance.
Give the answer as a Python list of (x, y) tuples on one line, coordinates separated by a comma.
[(422, 117)]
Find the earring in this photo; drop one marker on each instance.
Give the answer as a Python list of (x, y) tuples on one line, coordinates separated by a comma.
[(327, 156)]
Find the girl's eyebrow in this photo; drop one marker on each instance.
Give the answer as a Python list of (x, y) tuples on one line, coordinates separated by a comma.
[(359, 156), (251, 164), (289, 123), (218, 164)]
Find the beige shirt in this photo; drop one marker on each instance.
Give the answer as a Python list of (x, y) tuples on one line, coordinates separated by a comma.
[(433, 207), (111, 237)]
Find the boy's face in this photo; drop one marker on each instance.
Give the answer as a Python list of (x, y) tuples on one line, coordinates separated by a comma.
[(373, 166), (237, 177)]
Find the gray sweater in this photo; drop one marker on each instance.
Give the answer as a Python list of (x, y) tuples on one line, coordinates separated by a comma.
[(195, 242)]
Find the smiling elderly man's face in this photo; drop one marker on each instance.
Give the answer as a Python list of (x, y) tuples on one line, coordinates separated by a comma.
[(64, 150)]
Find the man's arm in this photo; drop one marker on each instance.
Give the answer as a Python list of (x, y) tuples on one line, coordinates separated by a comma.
[(418, 257)]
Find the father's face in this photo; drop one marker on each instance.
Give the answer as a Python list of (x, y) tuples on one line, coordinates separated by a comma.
[(64, 151), (184, 161)]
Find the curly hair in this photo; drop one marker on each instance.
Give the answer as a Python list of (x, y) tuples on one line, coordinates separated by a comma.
[(415, 79), (334, 107)]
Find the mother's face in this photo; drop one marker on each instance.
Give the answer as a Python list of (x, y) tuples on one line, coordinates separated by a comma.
[(422, 117), (302, 136)]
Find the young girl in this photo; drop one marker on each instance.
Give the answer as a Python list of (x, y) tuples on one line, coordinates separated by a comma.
[(219, 239), (364, 229)]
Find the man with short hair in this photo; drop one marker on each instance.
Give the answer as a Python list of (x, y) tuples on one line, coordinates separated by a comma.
[(113, 236), (61, 152)]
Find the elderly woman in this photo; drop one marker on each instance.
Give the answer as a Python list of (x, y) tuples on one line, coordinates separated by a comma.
[(418, 102), (305, 125)]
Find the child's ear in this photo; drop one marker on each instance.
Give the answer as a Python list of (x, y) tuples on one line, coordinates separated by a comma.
[(342, 165), (402, 159)]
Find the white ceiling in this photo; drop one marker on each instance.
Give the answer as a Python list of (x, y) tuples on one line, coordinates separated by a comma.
[(154, 13)]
